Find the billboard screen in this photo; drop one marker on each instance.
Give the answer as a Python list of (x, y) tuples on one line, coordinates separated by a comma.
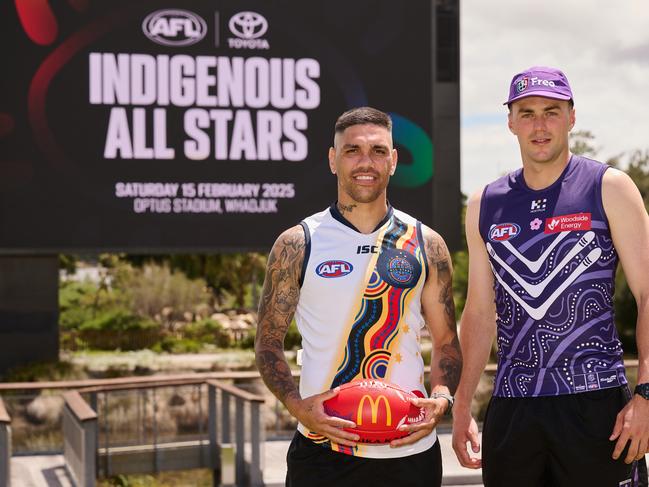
[(155, 126)]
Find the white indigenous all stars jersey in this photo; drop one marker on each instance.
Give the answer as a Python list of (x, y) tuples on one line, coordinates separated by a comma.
[(359, 311)]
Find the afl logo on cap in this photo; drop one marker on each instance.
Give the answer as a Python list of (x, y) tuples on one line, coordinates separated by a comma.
[(503, 231), (334, 268)]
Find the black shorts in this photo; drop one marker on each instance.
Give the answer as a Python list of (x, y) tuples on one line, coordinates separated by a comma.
[(556, 441), (312, 465)]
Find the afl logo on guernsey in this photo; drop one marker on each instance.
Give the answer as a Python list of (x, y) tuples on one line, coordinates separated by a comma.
[(334, 268), (503, 231)]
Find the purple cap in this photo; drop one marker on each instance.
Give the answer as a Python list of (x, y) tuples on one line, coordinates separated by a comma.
[(539, 81)]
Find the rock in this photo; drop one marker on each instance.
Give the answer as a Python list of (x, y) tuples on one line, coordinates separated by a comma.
[(45, 409), (248, 318), (221, 318), (176, 400)]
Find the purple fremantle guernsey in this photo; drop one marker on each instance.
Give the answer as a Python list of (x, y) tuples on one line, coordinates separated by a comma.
[(554, 268)]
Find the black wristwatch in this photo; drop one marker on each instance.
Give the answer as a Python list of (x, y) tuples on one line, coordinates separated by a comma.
[(642, 390)]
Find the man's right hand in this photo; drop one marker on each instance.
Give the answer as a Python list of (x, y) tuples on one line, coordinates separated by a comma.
[(465, 430), (311, 414)]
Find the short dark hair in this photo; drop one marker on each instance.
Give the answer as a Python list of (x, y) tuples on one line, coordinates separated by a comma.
[(571, 104), (363, 115)]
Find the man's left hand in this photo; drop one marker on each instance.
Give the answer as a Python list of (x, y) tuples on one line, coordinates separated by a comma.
[(632, 426), (434, 409)]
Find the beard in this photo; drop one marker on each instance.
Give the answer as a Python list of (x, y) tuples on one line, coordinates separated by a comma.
[(361, 194)]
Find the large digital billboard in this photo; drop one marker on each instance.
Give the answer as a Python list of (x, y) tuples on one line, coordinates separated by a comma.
[(156, 126)]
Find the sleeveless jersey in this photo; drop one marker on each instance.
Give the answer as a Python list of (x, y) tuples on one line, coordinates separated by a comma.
[(359, 311), (554, 265)]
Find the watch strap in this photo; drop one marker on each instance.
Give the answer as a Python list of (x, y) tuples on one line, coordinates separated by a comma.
[(448, 397), (642, 390)]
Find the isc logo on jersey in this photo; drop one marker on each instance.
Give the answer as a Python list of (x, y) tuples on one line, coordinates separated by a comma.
[(503, 231), (334, 268)]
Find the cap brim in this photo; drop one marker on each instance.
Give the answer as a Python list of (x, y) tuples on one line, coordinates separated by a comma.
[(541, 93)]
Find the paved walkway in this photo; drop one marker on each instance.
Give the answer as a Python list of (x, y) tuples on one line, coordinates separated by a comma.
[(49, 470), (454, 473), (39, 471)]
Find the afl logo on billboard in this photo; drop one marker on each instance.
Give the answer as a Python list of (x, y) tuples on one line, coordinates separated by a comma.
[(174, 27), (503, 231), (334, 268), (248, 27)]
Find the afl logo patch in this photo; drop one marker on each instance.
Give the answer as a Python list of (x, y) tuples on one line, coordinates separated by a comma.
[(503, 231), (398, 268), (334, 268)]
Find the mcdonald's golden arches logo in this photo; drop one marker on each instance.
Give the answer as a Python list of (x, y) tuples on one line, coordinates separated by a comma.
[(374, 405)]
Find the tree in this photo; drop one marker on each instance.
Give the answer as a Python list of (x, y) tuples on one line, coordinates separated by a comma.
[(238, 274), (581, 143)]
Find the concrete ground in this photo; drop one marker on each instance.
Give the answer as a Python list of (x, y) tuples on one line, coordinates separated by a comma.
[(453, 472), (39, 471), (49, 470)]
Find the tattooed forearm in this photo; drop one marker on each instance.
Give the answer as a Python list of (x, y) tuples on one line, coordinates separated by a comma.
[(276, 309), (440, 259), (276, 374), (346, 208), (450, 364)]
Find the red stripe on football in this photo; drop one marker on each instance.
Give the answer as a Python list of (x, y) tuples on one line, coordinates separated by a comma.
[(378, 408)]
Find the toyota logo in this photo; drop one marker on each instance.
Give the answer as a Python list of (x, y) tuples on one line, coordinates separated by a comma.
[(248, 25)]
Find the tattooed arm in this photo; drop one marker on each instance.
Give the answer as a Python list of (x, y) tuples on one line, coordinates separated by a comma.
[(276, 310), (439, 313)]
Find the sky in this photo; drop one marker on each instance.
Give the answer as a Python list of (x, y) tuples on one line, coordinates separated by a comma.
[(601, 46)]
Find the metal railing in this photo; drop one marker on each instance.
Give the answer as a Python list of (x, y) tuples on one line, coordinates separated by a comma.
[(5, 445), (151, 428), (250, 430), (235, 459), (80, 439)]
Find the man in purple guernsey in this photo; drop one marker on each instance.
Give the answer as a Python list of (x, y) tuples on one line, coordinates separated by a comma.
[(544, 242)]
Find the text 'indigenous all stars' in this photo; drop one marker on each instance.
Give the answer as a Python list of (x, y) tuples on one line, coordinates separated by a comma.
[(236, 108)]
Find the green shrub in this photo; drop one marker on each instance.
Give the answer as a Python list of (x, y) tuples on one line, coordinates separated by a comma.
[(76, 303), (172, 344), (159, 293), (119, 328), (207, 331), (42, 371)]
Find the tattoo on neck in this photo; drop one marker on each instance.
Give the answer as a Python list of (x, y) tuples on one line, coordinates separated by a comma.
[(346, 208)]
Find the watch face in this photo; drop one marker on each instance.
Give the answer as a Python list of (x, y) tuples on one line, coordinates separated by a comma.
[(642, 390)]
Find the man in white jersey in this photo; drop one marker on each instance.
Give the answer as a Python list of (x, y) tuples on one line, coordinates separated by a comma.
[(544, 243), (362, 280)]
